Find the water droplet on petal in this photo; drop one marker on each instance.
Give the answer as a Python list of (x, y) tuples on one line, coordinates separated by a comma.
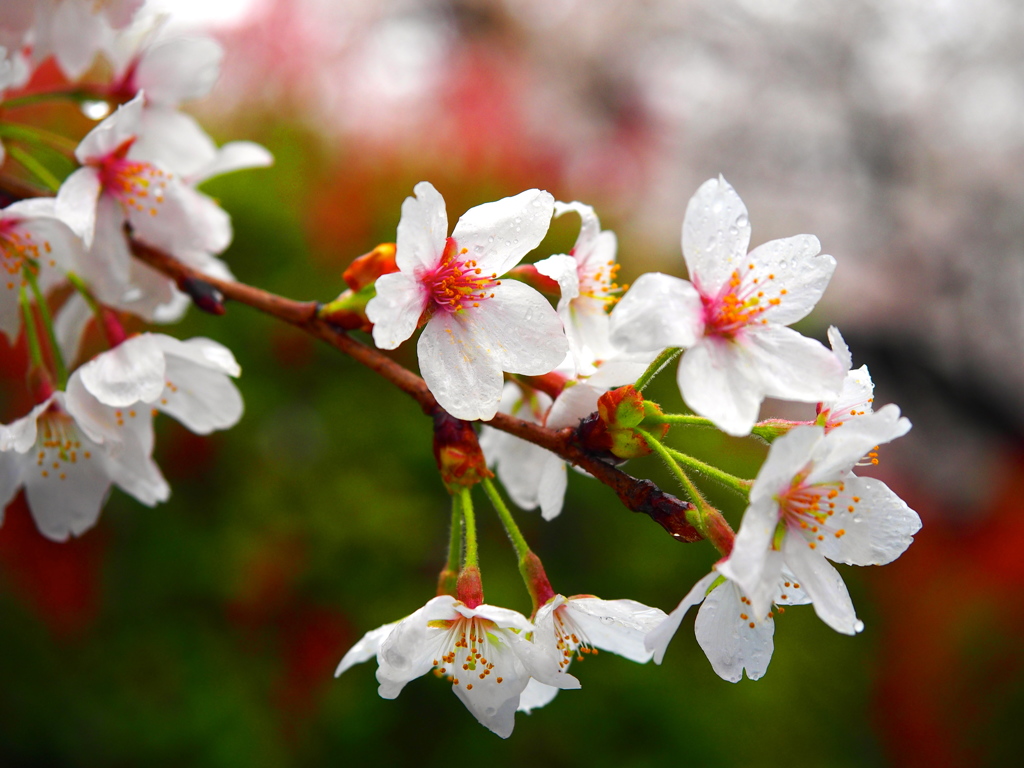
[(742, 220), (95, 110)]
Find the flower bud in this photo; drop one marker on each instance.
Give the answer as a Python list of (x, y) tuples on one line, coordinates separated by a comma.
[(365, 269), (457, 452), (532, 570), (470, 587), (619, 412), (769, 429)]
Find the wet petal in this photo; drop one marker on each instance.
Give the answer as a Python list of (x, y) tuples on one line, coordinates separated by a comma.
[(658, 638), (718, 381), (395, 310), (659, 311), (823, 585), (499, 234), (422, 230), (716, 233), (795, 265), (724, 632)]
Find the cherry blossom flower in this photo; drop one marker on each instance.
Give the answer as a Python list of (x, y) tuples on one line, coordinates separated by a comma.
[(806, 505), (733, 637), (572, 627), (67, 469), (482, 651), (189, 380), (857, 395), (476, 324), (586, 277), (116, 186), (31, 237), (732, 318)]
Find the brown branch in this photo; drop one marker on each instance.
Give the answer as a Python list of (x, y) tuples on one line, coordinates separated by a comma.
[(641, 496)]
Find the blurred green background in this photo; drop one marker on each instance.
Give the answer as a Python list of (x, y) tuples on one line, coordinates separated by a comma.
[(205, 632)]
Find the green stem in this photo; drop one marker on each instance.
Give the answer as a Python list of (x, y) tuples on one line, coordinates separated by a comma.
[(44, 315), (35, 135), (72, 94), (656, 366), (732, 482), (677, 418), (31, 334), (472, 559), (455, 540), (518, 541), (33, 166), (691, 490)]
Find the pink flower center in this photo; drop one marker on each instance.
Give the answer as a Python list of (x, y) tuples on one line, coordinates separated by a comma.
[(740, 302), (457, 282), (18, 248), (135, 184)]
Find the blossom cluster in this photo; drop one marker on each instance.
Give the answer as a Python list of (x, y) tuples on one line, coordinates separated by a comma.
[(70, 248), (482, 315), (557, 343)]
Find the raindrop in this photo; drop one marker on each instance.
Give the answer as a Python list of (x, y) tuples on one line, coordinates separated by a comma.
[(607, 620), (478, 248), (742, 220), (95, 110), (733, 231)]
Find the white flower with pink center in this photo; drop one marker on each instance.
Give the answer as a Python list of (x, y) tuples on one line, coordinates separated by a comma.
[(116, 185), (571, 628), (732, 318), (807, 507), (857, 396), (31, 238), (732, 635), (586, 277), (476, 325), (482, 651), (67, 469)]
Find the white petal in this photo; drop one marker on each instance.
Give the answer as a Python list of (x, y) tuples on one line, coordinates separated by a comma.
[(718, 380), (795, 265), (200, 395), (551, 486), (173, 140), (519, 329), (561, 269), (107, 267), (823, 585), (77, 199), (120, 127), (855, 398), (575, 403), (838, 344), (13, 467), (728, 640), (365, 649), (793, 367), (657, 312), (179, 69), (422, 230), (590, 227), (203, 352), (746, 562), (395, 310), (879, 530), (186, 219), (498, 235), (657, 639), (787, 457), (716, 233), (68, 502), (617, 626), (536, 695), (234, 156), (131, 372), (20, 435), (405, 653), (460, 371), (842, 448)]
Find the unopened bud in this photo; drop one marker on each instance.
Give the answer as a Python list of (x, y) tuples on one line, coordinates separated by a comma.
[(532, 570), (364, 270), (769, 429), (470, 587), (718, 531), (457, 452), (348, 311), (620, 412)]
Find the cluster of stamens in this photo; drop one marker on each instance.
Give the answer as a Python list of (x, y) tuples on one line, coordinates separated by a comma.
[(17, 251), (600, 284), (570, 639), (133, 183), (467, 660), (738, 304), (59, 443), (810, 510), (457, 282)]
